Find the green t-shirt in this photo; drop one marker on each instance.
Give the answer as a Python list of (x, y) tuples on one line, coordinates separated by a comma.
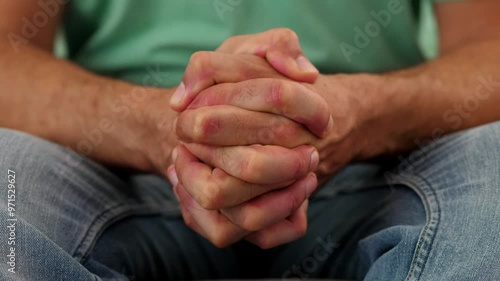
[(129, 39)]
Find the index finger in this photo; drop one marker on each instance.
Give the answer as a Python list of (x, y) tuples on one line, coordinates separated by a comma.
[(287, 98)]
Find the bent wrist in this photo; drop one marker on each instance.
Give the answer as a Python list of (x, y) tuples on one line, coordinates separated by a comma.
[(136, 127), (381, 112), (393, 116)]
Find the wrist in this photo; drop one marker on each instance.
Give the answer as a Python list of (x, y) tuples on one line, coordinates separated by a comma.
[(390, 115), (143, 136), (377, 115), (160, 139), (350, 101)]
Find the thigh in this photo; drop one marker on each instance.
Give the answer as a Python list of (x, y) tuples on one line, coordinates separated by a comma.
[(432, 216), (64, 202), (352, 230), (459, 178)]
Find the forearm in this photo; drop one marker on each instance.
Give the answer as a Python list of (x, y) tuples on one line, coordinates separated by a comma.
[(402, 109), (99, 117)]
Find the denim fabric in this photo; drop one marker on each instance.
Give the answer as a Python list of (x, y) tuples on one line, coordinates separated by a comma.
[(434, 215)]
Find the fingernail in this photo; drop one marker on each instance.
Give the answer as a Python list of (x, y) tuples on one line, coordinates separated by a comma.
[(314, 161), (174, 154), (172, 176), (176, 193), (174, 125), (311, 184), (305, 204), (178, 95), (329, 127), (305, 65)]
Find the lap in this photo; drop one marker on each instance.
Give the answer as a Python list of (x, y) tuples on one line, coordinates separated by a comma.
[(73, 211), (435, 207), (458, 178), (349, 233), (431, 216), (59, 189)]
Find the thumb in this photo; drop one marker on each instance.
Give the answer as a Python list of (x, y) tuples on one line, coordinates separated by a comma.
[(298, 68), (280, 47)]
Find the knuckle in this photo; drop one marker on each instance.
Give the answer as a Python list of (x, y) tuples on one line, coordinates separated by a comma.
[(199, 61), (232, 40), (278, 96), (252, 219), (283, 129), (265, 135), (204, 126), (263, 242), (300, 228), (326, 167), (323, 114), (180, 126), (295, 200), (298, 166), (250, 165), (302, 166), (235, 44), (221, 238), (212, 197), (286, 34), (200, 57), (219, 243)]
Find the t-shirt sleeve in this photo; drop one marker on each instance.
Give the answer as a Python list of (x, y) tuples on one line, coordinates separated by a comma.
[(428, 31)]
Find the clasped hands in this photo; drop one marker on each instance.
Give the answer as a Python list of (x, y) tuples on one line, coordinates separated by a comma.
[(250, 117)]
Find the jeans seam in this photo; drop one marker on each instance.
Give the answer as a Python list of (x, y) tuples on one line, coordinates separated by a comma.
[(428, 234)]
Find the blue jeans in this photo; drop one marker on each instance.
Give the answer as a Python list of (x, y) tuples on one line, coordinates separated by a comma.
[(434, 215)]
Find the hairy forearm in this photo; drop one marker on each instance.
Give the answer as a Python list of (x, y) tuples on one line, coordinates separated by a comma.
[(457, 91), (102, 118)]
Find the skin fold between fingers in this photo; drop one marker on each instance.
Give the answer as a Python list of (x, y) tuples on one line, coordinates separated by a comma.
[(211, 187), (286, 231), (289, 99), (259, 164), (210, 223), (224, 125), (271, 207)]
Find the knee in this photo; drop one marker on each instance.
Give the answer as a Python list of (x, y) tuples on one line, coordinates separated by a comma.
[(477, 142), (39, 168), (469, 159), (480, 149), (473, 150), (12, 142), (42, 181), (29, 153), (15, 144), (477, 150), (482, 140)]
